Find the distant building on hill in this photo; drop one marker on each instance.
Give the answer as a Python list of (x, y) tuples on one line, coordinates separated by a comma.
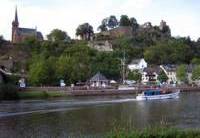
[(105, 46), (121, 31), (20, 34)]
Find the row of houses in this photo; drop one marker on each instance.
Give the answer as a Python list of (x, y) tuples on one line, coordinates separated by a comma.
[(150, 74)]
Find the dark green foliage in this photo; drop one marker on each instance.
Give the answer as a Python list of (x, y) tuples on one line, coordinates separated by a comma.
[(102, 28), (124, 21), (168, 52), (134, 75), (134, 24), (196, 61), (181, 73), (107, 64), (162, 77), (42, 71), (109, 22), (85, 31), (74, 63), (112, 22), (58, 35), (129, 46), (196, 73), (8, 92)]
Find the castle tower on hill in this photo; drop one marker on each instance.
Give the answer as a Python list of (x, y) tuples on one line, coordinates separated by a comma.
[(20, 34)]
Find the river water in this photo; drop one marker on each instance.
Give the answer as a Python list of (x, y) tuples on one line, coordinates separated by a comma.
[(95, 116)]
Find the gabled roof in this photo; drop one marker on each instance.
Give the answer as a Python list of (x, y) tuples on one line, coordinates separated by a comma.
[(151, 70), (27, 31), (170, 67), (135, 61), (98, 77)]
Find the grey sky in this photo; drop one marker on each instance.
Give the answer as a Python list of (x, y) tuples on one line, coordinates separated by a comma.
[(181, 15)]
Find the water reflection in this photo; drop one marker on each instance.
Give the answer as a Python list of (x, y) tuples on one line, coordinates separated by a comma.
[(91, 116)]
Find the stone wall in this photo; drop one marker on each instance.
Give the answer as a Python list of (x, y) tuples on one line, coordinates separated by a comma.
[(101, 45)]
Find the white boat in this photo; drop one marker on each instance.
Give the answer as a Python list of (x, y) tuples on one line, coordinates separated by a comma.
[(157, 94)]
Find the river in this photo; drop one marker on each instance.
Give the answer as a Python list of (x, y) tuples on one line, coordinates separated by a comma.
[(95, 116)]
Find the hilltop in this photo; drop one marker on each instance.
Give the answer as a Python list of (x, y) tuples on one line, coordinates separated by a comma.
[(60, 57)]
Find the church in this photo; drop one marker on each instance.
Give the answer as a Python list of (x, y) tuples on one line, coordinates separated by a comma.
[(20, 34)]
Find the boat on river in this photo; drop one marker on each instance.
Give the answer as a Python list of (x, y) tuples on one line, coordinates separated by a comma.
[(156, 94)]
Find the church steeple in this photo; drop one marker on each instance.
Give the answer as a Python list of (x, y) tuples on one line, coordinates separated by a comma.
[(16, 22), (16, 16), (15, 27)]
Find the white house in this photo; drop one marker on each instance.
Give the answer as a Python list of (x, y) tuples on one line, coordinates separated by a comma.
[(137, 64), (170, 71), (150, 75)]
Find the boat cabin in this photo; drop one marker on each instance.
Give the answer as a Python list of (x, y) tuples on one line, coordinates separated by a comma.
[(152, 92)]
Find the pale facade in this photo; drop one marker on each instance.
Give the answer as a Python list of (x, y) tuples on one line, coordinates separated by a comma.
[(138, 64)]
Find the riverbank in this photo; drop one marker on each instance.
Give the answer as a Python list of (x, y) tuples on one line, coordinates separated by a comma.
[(156, 133), (51, 92), (40, 94)]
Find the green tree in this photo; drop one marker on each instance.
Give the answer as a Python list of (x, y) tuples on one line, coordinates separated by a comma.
[(135, 75), (81, 56), (134, 24), (195, 61), (196, 73), (162, 77), (181, 73), (168, 52), (124, 21), (106, 63), (85, 31), (112, 22), (102, 28), (65, 69), (41, 72), (58, 35)]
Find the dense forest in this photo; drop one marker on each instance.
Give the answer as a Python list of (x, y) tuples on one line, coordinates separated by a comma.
[(60, 57)]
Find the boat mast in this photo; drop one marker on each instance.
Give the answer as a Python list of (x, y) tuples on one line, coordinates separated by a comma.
[(123, 62)]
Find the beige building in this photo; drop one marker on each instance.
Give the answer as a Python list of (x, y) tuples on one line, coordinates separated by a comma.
[(170, 71)]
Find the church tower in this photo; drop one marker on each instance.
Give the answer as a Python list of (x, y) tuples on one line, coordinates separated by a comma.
[(15, 26)]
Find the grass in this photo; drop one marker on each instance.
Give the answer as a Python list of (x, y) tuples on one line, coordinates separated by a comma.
[(40, 95), (156, 133)]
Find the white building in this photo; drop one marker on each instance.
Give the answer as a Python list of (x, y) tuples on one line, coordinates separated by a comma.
[(170, 71), (137, 64), (150, 75)]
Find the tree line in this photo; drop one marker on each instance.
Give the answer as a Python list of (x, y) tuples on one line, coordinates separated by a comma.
[(60, 57)]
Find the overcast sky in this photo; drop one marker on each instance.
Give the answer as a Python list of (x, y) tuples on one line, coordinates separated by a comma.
[(181, 15)]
